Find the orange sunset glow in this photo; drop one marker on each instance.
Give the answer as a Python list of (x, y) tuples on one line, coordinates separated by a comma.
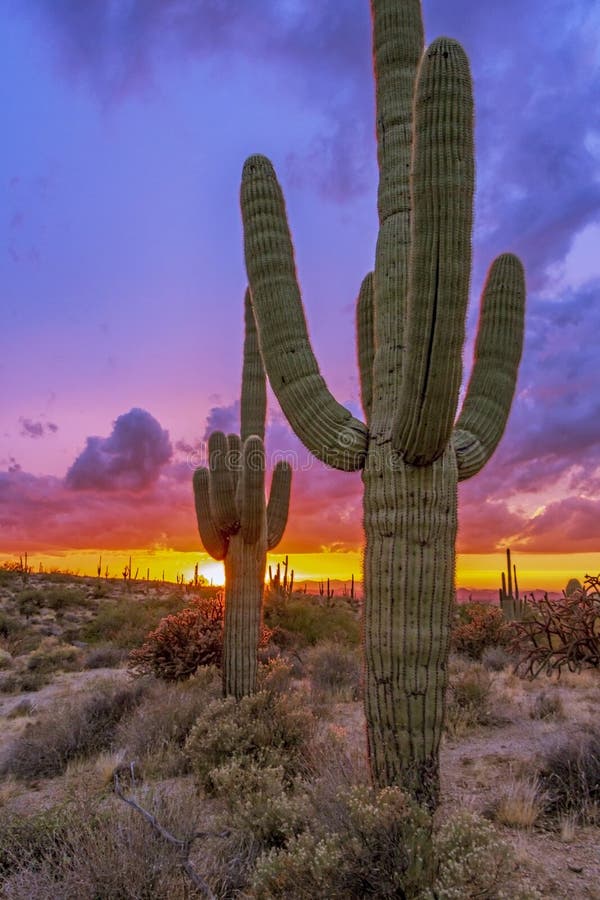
[(536, 571)]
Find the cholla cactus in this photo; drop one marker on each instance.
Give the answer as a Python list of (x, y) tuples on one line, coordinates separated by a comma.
[(235, 523), (411, 320)]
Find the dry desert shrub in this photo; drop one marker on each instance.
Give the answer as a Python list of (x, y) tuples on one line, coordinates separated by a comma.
[(71, 729), (103, 853), (276, 676), (570, 777), (495, 659), (156, 730), (104, 657), (547, 705), (468, 698)]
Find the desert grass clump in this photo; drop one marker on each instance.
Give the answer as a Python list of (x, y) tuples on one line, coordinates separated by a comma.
[(335, 670), (265, 728), (182, 643), (25, 840), (468, 699), (477, 627), (109, 851), (70, 730), (547, 705), (521, 804), (570, 777)]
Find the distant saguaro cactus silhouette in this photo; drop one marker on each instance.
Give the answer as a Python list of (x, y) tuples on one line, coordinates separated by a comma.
[(234, 521)]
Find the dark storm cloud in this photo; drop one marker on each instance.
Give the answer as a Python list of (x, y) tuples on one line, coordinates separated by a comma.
[(131, 458), (32, 429)]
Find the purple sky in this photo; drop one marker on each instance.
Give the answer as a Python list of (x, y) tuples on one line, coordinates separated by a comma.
[(126, 124)]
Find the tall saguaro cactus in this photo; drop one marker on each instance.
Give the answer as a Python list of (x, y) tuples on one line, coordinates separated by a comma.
[(411, 319), (235, 523)]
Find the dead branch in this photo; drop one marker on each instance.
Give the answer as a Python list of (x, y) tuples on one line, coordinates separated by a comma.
[(183, 845)]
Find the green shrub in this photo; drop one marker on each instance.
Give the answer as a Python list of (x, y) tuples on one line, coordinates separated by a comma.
[(258, 802), (336, 670), (182, 643), (474, 861), (29, 601), (264, 728), (71, 730), (52, 656), (477, 626), (59, 598), (310, 622), (126, 623), (379, 848)]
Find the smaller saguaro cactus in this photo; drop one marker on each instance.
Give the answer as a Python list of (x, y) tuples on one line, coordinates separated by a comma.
[(513, 607), (236, 524)]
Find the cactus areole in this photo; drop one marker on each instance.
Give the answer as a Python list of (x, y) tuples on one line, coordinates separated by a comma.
[(411, 311), (235, 523)]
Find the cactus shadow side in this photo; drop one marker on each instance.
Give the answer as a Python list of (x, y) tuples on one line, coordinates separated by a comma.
[(410, 332), (235, 523)]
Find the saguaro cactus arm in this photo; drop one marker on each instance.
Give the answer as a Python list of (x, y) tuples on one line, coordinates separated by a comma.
[(252, 489), (214, 541), (443, 184), (234, 449), (279, 501), (221, 485), (326, 428), (254, 384), (497, 355), (365, 342)]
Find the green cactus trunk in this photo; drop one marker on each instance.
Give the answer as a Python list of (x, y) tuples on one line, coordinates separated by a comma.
[(236, 524), (244, 586), (410, 528), (410, 327)]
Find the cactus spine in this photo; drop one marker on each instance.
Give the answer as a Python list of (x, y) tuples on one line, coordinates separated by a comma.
[(411, 319), (235, 523)]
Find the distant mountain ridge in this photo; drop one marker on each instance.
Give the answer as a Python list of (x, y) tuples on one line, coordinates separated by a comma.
[(485, 595)]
